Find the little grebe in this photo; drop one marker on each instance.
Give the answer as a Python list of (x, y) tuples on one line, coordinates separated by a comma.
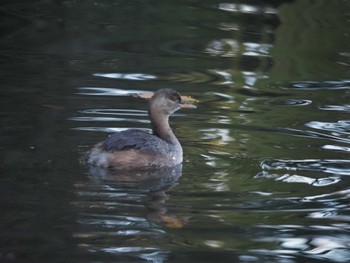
[(137, 149)]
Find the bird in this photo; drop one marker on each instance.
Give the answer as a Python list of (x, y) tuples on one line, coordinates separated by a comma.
[(136, 149)]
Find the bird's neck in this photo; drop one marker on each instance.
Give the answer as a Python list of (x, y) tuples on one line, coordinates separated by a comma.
[(161, 127)]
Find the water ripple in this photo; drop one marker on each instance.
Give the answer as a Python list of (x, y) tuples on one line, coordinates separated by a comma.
[(127, 76), (128, 249), (219, 77), (129, 112), (313, 134), (335, 167), (315, 85), (102, 91), (342, 126), (106, 129), (290, 102), (333, 247), (215, 76), (106, 115), (288, 178), (227, 47), (345, 108), (108, 119), (223, 48), (336, 148), (257, 49), (217, 136), (330, 166), (246, 9)]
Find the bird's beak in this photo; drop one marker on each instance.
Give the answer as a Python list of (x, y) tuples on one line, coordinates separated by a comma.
[(186, 102), (187, 105)]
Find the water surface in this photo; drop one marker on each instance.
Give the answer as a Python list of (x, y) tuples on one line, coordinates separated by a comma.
[(266, 165)]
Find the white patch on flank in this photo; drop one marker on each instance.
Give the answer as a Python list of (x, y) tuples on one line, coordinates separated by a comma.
[(99, 159)]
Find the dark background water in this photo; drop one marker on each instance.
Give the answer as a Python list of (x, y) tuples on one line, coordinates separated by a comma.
[(266, 170)]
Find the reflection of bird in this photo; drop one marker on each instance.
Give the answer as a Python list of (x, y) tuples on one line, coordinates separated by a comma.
[(137, 149)]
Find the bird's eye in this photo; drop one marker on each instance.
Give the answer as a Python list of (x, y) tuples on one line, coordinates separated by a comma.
[(176, 98)]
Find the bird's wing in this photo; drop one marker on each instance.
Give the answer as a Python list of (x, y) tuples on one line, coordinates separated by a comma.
[(131, 139)]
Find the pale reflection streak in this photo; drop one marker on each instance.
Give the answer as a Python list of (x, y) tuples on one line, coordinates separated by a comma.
[(227, 47), (336, 148), (329, 214), (218, 182), (256, 49), (335, 167), (250, 78), (220, 136), (227, 76), (129, 112), (313, 135), (228, 98), (229, 26), (150, 254), (214, 243), (341, 126), (336, 201), (107, 129), (127, 249), (294, 178), (289, 102), (215, 76), (342, 194), (317, 85), (223, 48), (126, 76), (102, 91), (325, 244), (331, 166), (217, 187), (344, 108), (118, 112), (287, 178), (246, 9), (107, 119)]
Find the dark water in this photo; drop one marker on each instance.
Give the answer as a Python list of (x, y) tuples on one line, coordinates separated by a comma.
[(266, 170)]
